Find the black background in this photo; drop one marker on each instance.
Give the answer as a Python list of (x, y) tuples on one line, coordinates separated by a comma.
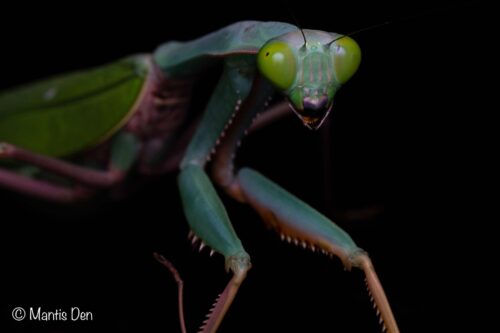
[(402, 136)]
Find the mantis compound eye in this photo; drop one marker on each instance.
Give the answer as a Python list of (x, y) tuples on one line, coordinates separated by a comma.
[(277, 62), (346, 58)]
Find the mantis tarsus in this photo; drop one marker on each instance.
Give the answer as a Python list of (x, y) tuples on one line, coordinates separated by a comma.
[(133, 112)]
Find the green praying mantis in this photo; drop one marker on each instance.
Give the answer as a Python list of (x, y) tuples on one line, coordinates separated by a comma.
[(86, 131)]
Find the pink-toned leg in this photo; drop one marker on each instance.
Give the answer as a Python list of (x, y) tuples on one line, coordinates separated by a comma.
[(42, 189), (82, 175), (271, 115), (180, 285)]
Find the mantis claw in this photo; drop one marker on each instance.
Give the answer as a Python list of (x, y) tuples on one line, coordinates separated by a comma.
[(377, 294), (239, 264)]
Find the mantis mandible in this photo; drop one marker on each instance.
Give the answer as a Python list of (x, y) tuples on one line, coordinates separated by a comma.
[(92, 128)]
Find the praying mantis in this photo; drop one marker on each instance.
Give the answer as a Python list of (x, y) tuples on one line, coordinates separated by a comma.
[(133, 115)]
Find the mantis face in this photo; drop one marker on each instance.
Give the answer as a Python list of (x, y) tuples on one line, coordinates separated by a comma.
[(309, 73)]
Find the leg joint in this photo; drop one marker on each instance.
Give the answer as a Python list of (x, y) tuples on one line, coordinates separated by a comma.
[(239, 264)]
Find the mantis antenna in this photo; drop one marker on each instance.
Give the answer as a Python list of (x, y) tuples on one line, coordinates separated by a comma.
[(399, 19), (355, 32), (297, 24)]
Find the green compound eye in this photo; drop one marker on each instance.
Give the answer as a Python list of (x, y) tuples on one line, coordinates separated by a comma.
[(346, 58), (278, 64)]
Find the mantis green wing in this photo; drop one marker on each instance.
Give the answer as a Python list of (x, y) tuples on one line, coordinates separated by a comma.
[(57, 117)]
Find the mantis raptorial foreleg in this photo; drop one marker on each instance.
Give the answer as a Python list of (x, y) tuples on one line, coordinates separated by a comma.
[(300, 223), (204, 210), (293, 219)]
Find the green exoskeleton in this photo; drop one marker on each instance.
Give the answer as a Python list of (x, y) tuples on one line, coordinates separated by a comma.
[(91, 128)]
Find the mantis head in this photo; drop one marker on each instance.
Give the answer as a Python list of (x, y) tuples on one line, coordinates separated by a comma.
[(309, 67)]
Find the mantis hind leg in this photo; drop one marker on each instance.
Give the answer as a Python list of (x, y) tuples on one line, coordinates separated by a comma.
[(41, 189), (86, 180)]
